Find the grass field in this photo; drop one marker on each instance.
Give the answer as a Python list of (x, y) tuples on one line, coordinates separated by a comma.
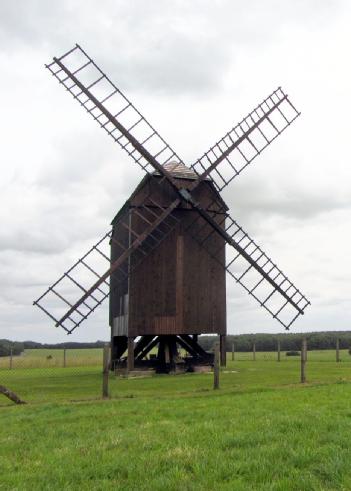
[(48, 358), (261, 430)]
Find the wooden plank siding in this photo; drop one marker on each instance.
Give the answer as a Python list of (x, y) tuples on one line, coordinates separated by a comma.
[(178, 288)]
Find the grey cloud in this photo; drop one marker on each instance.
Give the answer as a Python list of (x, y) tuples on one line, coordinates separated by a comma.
[(173, 48), (190, 53)]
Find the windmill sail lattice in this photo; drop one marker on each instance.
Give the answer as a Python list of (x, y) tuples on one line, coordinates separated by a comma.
[(242, 144), (247, 264), (111, 109), (267, 284), (86, 284)]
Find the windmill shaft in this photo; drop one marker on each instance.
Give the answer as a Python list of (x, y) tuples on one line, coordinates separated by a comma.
[(137, 242)]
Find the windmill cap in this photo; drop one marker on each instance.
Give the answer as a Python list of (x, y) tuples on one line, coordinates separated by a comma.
[(178, 169)]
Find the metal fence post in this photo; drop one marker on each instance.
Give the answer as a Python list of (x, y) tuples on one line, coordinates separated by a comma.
[(254, 351), (233, 352), (278, 350), (64, 357), (11, 358)]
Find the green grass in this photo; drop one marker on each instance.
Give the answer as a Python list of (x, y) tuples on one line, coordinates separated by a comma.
[(48, 358), (262, 430)]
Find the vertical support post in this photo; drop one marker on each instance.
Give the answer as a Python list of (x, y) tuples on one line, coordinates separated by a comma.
[(105, 370), (216, 366), (337, 350), (254, 351), (278, 350), (303, 360), (130, 357), (64, 357), (11, 358), (222, 345), (233, 352)]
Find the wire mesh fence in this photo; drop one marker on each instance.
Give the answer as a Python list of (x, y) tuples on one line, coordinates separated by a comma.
[(53, 375)]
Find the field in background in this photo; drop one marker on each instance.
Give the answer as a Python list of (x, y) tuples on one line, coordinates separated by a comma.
[(38, 379), (51, 358), (40, 358), (262, 430)]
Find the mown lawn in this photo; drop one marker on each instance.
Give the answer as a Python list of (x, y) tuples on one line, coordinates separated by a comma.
[(262, 430)]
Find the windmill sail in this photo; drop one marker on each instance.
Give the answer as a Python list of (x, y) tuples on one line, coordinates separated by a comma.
[(86, 284), (251, 267), (242, 144), (111, 109)]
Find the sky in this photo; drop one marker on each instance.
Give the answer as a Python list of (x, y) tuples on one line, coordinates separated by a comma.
[(194, 69)]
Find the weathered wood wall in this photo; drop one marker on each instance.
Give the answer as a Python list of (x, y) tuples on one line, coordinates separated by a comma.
[(178, 288)]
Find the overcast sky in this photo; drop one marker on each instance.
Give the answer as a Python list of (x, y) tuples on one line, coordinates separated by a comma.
[(194, 69)]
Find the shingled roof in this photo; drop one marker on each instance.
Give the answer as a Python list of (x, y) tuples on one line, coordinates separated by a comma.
[(178, 169)]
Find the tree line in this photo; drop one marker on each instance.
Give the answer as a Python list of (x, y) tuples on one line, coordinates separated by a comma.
[(242, 342)]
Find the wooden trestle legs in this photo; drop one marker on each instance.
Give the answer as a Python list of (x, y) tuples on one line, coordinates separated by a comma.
[(130, 355), (161, 353)]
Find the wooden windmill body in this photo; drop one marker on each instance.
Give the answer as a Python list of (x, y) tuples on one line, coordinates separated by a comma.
[(178, 290), (174, 240)]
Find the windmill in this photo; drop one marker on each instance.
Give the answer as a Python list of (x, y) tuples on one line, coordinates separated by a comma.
[(173, 241)]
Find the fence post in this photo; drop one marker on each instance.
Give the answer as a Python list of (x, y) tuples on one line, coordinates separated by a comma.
[(233, 352), (278, 350), (11, 358), (254, 351), (337, 350), (64, 357), (223, 349), (216, 367), (105, 370), (303, 360)]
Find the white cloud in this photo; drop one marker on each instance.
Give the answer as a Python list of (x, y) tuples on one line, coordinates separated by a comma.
[(194, 69)]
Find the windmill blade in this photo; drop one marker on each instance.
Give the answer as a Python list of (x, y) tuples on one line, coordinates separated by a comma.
[(112, 110), (240, 146), (81, 289), (250, 266)]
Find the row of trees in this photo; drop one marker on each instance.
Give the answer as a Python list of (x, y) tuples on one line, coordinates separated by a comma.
[(242, 342), (6, 346), (288, 341)]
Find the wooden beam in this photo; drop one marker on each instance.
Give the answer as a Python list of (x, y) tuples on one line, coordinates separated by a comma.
[(179, 283), (148, 348), (216, 366), (337, 350), (105, 370), (11, 395), (130, 356), (303, 360), (223, 351)]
